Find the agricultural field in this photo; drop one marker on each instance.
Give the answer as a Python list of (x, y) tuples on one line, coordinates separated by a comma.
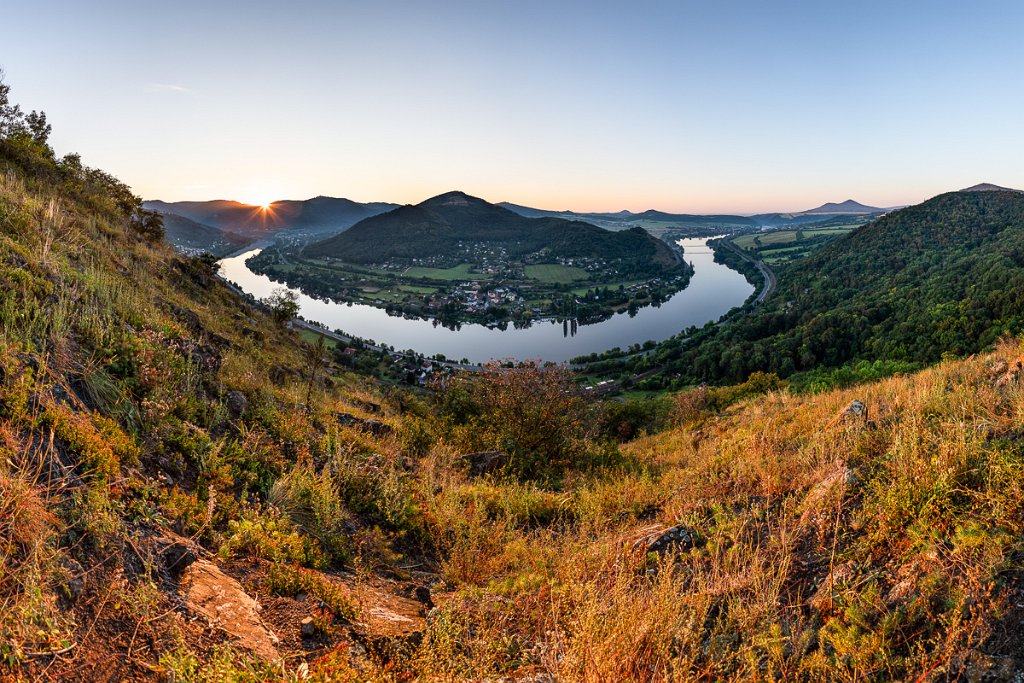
[(778, 247), (555, 273), (463, 271)]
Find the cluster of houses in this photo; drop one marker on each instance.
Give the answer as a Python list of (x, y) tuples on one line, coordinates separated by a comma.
[(473, 297)]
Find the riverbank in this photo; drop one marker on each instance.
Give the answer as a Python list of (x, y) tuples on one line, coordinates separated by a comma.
[(714, 290)]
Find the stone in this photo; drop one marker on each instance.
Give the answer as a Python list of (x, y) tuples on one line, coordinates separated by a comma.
[(485, 462), (856, 409), (176, 556), (236, 403), (308, 627), (210, 592), (674, 538), (422, 594), (376, 427)]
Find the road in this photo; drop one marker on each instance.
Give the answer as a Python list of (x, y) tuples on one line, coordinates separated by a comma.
[(770, 281)]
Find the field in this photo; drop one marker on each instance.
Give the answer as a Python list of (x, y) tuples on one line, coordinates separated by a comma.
[(555, 274), (463, 271), (782, 246)]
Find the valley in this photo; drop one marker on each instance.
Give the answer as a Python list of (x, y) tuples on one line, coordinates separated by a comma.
[(328, 441), (459, 259)]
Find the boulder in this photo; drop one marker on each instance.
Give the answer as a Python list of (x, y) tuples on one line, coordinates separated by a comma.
[(855, 409)]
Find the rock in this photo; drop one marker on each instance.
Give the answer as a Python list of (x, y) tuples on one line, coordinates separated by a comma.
[(422, 594), (856, 409), (485, 462), (308, 628), (408, 464), (376, 427), (176, 553), (370, 406), (206, 357), (75, 585), (674, 538), (998, 368), (346, 419), (187, 316), (236, 403), (218, 597)]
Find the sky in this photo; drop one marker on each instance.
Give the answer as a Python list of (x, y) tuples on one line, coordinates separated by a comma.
[(714, 106)]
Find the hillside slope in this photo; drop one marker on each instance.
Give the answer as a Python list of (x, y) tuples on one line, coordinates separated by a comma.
[(438, 225), (192, 237), (943, 277)]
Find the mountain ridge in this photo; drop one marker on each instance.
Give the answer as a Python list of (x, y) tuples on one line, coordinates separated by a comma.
[(439, 224)]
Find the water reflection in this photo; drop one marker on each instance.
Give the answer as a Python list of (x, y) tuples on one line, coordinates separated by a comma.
[(714, 289)]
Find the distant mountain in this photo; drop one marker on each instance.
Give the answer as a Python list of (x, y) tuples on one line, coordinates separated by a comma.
[(321, 215), (848, 207), (624, 219), (988, 187), (694, 219), (191, 236), (436, 226)]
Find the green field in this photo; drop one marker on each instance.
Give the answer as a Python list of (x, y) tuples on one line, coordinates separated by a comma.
[(311, 337), (776, 238), (459, 272), (555, 273)]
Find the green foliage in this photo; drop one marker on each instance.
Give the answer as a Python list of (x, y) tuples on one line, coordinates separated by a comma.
[(694, 404), (945, 276), (283, 304), (267, 536), (629, 419), (531, 412), (290, 581), (825, 379)]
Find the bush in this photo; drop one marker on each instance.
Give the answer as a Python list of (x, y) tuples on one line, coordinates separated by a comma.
[(533, 413)]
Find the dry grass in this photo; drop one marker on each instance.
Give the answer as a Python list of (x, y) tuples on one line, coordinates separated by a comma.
[(834, 547)]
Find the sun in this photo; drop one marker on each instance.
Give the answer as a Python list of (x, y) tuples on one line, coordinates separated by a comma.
[(260, 200)]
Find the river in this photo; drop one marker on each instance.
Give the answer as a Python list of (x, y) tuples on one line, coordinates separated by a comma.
[(713, 291)]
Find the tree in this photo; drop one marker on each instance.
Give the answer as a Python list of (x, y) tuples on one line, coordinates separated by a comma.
[(315, 356), (283, 304)]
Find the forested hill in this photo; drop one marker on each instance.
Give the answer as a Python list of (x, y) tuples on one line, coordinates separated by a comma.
[(944, 276), (438, 225)]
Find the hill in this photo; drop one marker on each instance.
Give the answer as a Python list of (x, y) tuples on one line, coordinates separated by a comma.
[(319, 215), (847, 207), (942, 277), (988, 187), (192, 237), (442, 225)]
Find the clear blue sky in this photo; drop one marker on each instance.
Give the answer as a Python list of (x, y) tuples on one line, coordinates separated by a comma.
[(705, 106)]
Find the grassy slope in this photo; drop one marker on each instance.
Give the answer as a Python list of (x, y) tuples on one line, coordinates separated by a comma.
[(832, 548)]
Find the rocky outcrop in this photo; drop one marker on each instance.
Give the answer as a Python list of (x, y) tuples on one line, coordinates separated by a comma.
[(213, 594)]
